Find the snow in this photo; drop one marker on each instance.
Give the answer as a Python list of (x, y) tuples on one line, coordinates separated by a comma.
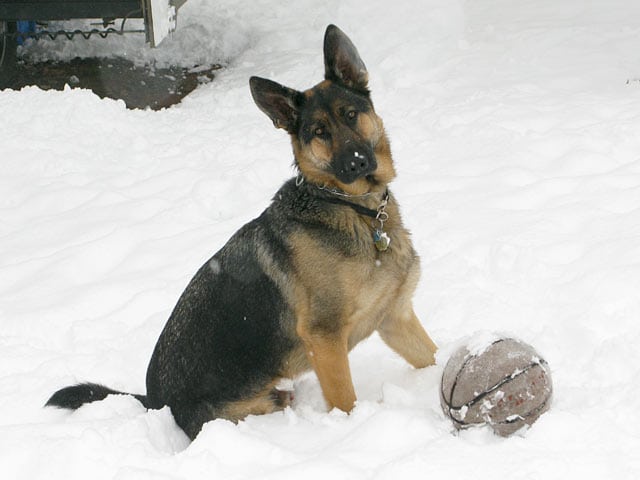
[(515, 128), (475, 344)]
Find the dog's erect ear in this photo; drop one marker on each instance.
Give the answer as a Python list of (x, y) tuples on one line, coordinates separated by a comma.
[(280, 103), (342, 63)]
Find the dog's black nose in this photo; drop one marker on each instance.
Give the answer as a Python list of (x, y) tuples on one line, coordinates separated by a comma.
[(354, 164)]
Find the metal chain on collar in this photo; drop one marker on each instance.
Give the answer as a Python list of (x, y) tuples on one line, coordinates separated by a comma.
[(300, 180), (382, 215), (380, 238), (335, 191)]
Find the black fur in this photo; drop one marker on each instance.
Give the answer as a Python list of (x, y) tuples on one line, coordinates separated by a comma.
[(230, 331), (77, 395), (342, 62), (284, 102)]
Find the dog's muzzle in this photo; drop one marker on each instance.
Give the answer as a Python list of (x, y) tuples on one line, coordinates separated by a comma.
[(354, 163)]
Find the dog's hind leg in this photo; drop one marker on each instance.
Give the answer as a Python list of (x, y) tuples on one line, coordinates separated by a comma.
[(191, 417)]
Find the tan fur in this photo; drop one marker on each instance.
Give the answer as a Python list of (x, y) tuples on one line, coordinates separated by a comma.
[(320, 152), (323, 85), (340, 300), (327, 353), (313, 159), (262, 403), (386, 172)]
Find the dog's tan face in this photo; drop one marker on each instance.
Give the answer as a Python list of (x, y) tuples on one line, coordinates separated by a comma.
[(341, 141), (338, 139)]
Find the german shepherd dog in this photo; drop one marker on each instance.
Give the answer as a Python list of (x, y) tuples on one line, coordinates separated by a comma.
[(323, 267)]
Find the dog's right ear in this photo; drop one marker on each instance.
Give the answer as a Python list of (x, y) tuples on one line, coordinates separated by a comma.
[(280, 103)]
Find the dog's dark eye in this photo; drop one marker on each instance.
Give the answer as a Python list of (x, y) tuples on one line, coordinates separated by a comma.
[(318, 132), (352, 114)]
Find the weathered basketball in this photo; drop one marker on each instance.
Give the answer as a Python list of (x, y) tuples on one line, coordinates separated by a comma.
[(506, 385)]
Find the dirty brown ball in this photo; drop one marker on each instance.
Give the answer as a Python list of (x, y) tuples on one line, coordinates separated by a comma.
[(506, 386)]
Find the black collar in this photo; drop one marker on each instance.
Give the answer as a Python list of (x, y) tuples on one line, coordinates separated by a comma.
[(335, 199), (369, 212)]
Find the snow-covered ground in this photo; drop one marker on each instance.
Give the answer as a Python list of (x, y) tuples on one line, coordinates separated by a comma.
[(515, 128)]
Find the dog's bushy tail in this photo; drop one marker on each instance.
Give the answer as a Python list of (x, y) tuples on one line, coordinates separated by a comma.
[(75, 396)]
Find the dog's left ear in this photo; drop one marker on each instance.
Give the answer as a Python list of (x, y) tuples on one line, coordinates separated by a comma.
[(342, 63), (280, 103)]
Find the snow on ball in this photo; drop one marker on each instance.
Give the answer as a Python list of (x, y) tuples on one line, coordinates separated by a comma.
[(505, 385)]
